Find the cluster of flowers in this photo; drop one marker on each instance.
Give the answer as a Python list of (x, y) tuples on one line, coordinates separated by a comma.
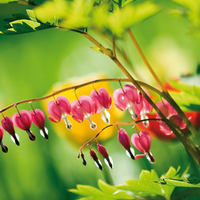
[(99, 101), (141, 141), (23, 120)]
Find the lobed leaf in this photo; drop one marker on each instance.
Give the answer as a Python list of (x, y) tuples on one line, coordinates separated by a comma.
[(106, 192), (23, 24)]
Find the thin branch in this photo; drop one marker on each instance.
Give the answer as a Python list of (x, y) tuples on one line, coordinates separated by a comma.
[(79, 86), (145, 60), (114, 53)]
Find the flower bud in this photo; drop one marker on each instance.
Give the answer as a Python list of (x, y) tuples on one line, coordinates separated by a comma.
[(96, 160), (125, 142), (4, 148), (9, 127), (107, 158)]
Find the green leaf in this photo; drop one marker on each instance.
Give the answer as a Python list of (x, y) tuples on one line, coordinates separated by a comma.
[(24, 23), (106, 192), (189, 98), (180, 183), (171, 172), (31, 15)]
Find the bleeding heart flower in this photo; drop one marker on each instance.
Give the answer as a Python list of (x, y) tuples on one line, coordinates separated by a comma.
[(23, 121), (126, 98), (103, 101), (142, 142), (82, 109), (9, 127), (142, 108), (38, 119), (125, 142), (60, 109), (4, 148), (171, 114), (107, 158)]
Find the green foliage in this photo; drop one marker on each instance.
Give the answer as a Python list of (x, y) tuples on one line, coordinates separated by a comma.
[(113, 17), (106, 192), (24, 24), (149, 186), (191, 10), (189, 98)]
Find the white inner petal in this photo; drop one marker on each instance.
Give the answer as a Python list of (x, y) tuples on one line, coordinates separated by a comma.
[(16, 136), (132, 151), (107, 163), (132, 112), (67, 122), (92, 124), (146, 123), (105, 116), (97, 164)]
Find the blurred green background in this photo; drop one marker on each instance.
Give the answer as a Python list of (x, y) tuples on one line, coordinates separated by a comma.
[(31, 63)]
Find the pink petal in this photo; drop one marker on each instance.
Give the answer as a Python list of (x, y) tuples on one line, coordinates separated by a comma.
[(53, 120), (131, 94), (38, 118), (119, 107), (94, 97), (104, 98), (86, 104), (64, 104), (102, 150), (77, 111), (166, 108), (22, 121), (124, 139), (139, 156), (120, 99), (8, 125), (54, 110), (1, 133), (145, 140), (165, 129), (136, 142)]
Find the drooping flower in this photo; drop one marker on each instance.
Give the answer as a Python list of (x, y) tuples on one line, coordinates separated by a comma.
[(60, 109), (102, 101), (142, 108), (142, 142), (82, 109), (23, 121), (9, 127), (38, 119), (126, 98), (4, 148), (171, 114), (154, 126), (75, 136), (125, 142), (103, 152), (96, 160)]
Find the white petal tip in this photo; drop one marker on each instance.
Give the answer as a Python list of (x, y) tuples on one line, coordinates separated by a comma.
[(109, 162)]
